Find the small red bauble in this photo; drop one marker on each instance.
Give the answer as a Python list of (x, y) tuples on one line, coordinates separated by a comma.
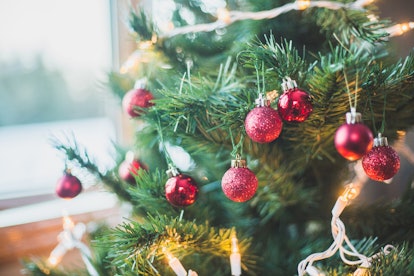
[(294, 105), (180, 189), (129, 168), (382, 161), (136, 97), (263, 124), (68, 186), (353, 139), (239, 183)]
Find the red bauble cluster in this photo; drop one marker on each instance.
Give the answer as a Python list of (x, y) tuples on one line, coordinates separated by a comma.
[(294, 105), (382, 162), (129, 168), (263, 123), (137, 97), (180, 189), (68, 186), (353, 139), (239, 183)]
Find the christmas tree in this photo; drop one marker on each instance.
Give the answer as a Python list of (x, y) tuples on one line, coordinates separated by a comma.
[(256, 123)]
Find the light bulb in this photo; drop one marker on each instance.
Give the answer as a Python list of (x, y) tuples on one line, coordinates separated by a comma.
[(303, 4), (223, 14), (175, 263), (235, 257)]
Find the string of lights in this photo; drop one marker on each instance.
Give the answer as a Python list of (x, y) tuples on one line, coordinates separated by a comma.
[(226, 17)]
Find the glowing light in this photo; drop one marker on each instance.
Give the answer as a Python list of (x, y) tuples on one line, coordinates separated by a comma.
[(350, 193), (405, 27), (174, 263), (303, 4), (372, 17), (67, 223), (53, 261), (223, 15), (235, 257), (400, 29)]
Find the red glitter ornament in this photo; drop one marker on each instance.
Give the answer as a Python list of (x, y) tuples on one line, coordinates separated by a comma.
[(239, 183), (353, 139), (263, 124), (68, 186), (382, 161), (136, 97), (180, 189), (129, 168), (294, 105)]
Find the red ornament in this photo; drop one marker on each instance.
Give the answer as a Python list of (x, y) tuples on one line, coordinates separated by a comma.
[(136, 97), (382, 161), (239, 183), (263, 123), (68, 186), (295, 105), (353, 139), (129, 168), (180, 190)]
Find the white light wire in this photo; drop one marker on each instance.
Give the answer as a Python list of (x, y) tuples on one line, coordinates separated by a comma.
[(234, 16), (339, 236)]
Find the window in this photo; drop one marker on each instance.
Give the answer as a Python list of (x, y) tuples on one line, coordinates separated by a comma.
[(54, 57)]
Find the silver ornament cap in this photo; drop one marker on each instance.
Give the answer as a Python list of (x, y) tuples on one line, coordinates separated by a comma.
[(380, 141), (353, 117)]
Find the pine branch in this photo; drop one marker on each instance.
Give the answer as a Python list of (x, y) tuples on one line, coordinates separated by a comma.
[(37, 267), (398, 262), (389, 221), (139, 247), (349, 24), (148, 195), (81, 158), (141, 24)]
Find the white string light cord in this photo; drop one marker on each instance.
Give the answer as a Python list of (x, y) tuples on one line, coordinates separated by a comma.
[(226, 18), (350, 255)]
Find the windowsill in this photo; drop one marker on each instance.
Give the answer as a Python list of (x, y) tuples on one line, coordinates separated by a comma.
[(84, 203), (33, 230)]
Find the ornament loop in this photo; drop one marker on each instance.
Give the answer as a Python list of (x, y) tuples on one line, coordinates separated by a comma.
[(288, 84)]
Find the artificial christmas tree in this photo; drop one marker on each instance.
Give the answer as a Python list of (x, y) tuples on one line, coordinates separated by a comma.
[(275, 221)]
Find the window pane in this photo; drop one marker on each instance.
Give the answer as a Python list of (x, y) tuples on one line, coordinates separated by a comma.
[(54, 56)]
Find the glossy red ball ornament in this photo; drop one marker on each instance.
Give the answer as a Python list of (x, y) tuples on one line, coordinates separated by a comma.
[(136, 97), (239, 183), (180, 189), (294, 105), (353, 139), (129, 168), (68, 186), (382, 161), (263, 123)]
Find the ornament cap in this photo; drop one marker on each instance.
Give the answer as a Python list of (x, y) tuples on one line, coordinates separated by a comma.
[(141, 83), (262, 101), (353, 117), (380, 141), (288, 84), (130, 156), (172, 171), (238, 162)]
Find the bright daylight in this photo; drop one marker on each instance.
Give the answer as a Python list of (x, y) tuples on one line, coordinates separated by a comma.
[(225, 137)]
